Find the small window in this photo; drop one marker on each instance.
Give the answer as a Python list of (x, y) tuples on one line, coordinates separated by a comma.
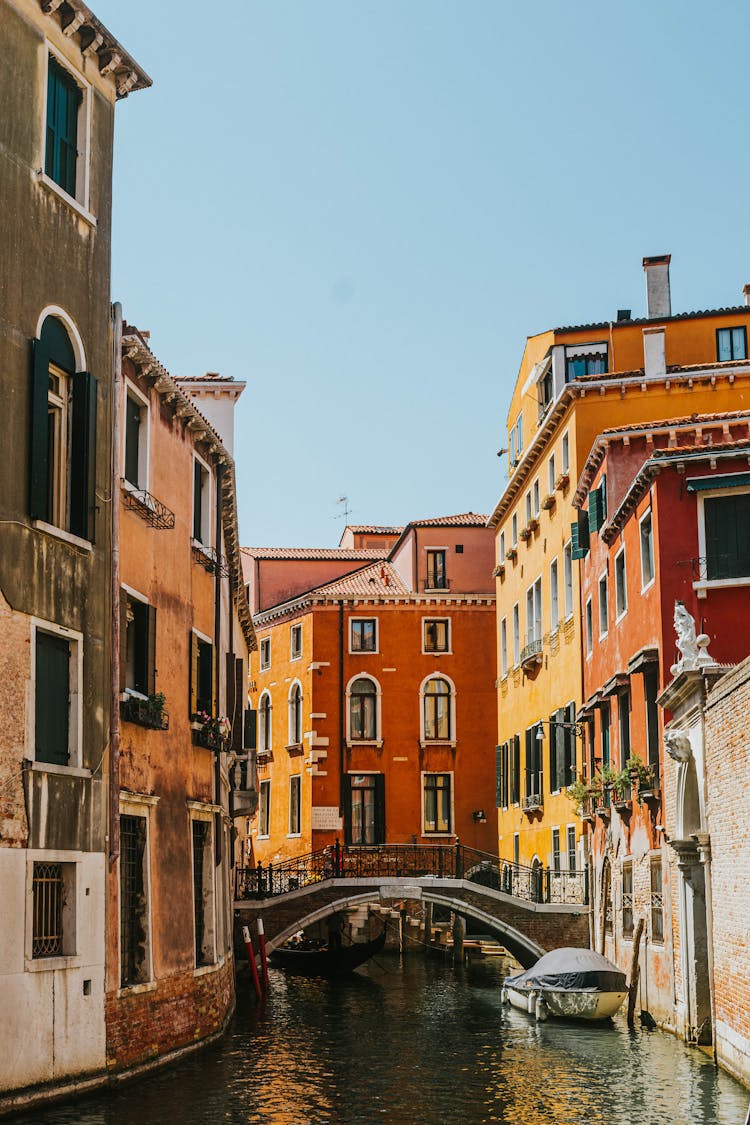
[(365, 808), (139, 625), (516, 636), (621, 589), (514, 530), (264, 808), (437, 802), (623, 712), (589, 629), (516, 849), (295, 642), (134, 908), (52, 699), (657, 901), (436, 576), (136, 440), (727, 531), (731, 343), (568, 579), (264, 715), (363, 636), (64, 99), (363, 713), (565, 453), (501, 551), (203, 892), (603, 605), (572, 851), (551, 475), (295, 715), (537, 499), (504, 647), (519, 434), (556, 862), (295, 805), (592, 363), (528, 507), (436, 635), (201, 503), (627, 899), (437, 710), (647, 550), (606, 744), (554, 607), (202, 677), (534, 612), (264, 648), (53, 910)]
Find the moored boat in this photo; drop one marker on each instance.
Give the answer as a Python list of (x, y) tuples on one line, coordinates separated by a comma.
[(571, 983), (326, 961)]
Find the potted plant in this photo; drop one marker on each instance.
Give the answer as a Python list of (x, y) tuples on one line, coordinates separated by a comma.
[(583, 795), (148, 712), (645, 776), (211, 732), (562, 481)]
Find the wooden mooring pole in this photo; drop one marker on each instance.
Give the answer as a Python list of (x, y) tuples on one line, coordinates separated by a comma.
[(251, 958), (634, 971)]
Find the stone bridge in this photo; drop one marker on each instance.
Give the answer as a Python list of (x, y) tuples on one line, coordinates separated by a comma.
[(526, 928)]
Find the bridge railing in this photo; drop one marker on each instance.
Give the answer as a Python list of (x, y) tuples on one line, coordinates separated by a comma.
[(404, 861)]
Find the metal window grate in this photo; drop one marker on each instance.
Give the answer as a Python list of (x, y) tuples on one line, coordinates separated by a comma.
[(200, 833), (132, 899), (48, 902)]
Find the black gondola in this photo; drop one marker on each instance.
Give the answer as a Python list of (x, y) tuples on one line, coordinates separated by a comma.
[(325, 962)]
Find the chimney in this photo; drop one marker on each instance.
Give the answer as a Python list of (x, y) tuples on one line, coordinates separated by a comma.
[(658, 297), (746, 294), (654, 352)]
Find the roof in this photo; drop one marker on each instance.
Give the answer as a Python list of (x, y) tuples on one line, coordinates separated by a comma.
[(75, 18), (465, 519), (314, 554), (372, 529), (378, 579), (733, 310)]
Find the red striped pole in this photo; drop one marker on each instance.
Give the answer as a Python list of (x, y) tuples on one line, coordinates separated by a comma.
[(263, 958), (251, 958)]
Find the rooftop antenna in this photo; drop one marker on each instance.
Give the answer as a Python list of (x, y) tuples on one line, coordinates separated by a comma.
[(347, 510)]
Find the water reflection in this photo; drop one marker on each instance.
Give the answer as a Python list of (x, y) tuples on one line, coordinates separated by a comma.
[(418, 1045)]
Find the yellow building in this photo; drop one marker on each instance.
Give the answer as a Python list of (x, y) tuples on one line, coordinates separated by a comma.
[(572, 384)]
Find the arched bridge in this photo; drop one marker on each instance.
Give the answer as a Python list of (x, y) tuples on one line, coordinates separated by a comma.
[(530, 910)]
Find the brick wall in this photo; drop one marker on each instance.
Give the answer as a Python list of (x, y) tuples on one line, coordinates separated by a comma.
[(181, 1010), (14, 673)]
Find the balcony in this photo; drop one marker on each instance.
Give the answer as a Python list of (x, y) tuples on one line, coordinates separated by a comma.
[(210, 559), (151, 510), (147, 713), (531, 654), (533, 802), (435, 582)]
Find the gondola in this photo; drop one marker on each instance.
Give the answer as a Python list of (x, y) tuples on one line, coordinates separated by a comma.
[(326, 961)]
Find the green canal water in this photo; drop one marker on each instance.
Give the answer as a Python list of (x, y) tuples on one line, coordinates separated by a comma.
[(420, 1044)]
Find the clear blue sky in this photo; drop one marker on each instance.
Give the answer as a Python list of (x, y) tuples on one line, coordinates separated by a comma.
[(363, 207)]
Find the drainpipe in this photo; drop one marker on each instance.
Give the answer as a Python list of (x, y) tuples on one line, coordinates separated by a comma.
[(114, 513)]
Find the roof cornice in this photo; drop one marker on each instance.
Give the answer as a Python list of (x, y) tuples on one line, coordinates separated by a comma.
[(75, 18)]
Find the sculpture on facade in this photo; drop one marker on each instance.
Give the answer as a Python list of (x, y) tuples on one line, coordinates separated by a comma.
[(693, 649), (677, 745)]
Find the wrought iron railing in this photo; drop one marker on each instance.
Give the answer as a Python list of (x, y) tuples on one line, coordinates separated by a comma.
[(411, 861), (531, 651), (150, 509), (210, 560), (436, 582)]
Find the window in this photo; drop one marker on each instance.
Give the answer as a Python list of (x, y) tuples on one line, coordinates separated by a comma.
[(437, 710), (295, 715), (651, 691), (589, 629), (504, 648), (515, 769), (586, 363), (519, 434), (437, 802), (528, 507), (604, 717), (514, 530), (565, 453), (516, 636), (203, 892), (52, 699), (63, 435), (264, 808), (597, 507), (53, 889), (657, 901), (201, 676), (621, 589), (623, 714), (580, 535), (295, 642), (534, 612), (551, 475), (545, 390), (501, 776), (556, 864), (603, 606), (562, 748), (568, 579), (516, 849), (363, 634), (554, 608), (295, 806), (363, 710), (134, 912), (534, 768), (512, 447), (201, 503), (64, 99), (727, 531), (364, 808), (436, 577), (647, 550), (436, 635), (136, 439), (265, 653), (627, 899), (537, 499), (264, 711), (572, 856), (138, 634), (731, 343), (501, 551)]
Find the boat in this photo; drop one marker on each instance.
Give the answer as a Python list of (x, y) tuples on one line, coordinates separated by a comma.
[(325, 961), (570, 983)]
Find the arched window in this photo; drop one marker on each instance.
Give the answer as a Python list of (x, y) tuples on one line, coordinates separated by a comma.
[(264, 713), (363, 714), (437, 710), (295, 715)]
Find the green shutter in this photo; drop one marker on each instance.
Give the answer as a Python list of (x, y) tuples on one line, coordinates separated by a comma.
[(151, 652), (83, 456), (39, 468), (597, 507), (52, 699), (63, 100), (379, 808), (498, 777), (132, 440), (579, 534)]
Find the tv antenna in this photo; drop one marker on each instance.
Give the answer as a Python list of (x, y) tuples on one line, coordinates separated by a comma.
[(347, 510)]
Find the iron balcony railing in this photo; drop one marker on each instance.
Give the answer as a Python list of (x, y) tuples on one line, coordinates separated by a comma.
[(411, 861), (532, 652), (150, 509)]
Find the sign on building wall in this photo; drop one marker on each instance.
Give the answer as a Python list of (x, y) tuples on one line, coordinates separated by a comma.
[(326, 817)]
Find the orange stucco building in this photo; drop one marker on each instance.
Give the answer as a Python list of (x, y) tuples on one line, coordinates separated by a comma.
[(374, 691), (178, 748)]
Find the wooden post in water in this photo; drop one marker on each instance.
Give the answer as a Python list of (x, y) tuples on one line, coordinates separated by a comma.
[(634, 971), (251, 958), (428, 923), (263, 957), (459, 930)]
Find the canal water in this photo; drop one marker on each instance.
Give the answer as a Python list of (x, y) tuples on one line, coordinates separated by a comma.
[(417, 1043)]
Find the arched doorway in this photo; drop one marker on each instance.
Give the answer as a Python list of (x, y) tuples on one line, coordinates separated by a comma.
[(691, 850)]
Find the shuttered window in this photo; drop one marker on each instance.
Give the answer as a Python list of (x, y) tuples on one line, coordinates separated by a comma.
[(132, 440), (201, 676), (502, 778), (515, 769), (63, 101), (139, 629), (597, 507), (52, 699), (579, 536), (727, 524), (364, 808)]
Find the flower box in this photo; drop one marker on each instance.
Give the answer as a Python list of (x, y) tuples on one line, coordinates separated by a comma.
[(562, 481), (147, 713), (549, 501), (512, 553)]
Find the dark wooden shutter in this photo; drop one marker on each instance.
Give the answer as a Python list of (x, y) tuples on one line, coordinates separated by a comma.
[(379, 808), (123, 639), (498, 777), (570, 744), (251, 730), (132, 439), (346, 806), (579, 533), (151, 652), (236, 698), (516, 769), (52, 699), (197, 501), (39, 467), (192, 672), (83, 456)]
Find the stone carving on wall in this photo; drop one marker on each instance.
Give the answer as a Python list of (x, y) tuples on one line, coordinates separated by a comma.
[(677, 745), (693, 649)]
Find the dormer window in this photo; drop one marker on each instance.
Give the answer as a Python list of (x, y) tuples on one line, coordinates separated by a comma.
[(545, 389), (585, 359)]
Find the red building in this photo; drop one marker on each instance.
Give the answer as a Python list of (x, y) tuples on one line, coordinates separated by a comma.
[(374, 687), (664, 518)]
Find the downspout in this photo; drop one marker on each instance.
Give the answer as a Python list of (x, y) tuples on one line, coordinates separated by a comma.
[(114, 513), (342, 730)]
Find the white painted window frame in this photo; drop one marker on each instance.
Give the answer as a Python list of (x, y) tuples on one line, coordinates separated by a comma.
[(424, 774), (75, 728)]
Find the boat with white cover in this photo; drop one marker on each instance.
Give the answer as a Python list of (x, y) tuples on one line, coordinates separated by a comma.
[(572, 983)]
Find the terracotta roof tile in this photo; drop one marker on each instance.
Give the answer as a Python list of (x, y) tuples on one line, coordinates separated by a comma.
[(465, 519), (372, 581), (330, 554), (372, 529)]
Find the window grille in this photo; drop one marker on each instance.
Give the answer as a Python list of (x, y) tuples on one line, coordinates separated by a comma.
[(657, 902), (200, 834), (132, 900), (48, 903), (627, 900)]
